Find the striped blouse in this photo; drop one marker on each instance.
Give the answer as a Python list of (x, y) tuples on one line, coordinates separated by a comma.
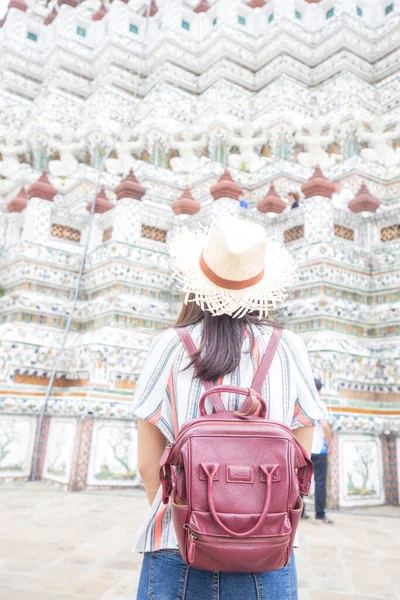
[(167, 395)]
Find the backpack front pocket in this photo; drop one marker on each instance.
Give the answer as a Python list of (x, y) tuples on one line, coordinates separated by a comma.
[(254, 555)]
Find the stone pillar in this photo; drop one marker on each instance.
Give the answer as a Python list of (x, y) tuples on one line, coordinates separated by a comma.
[(390, 480), (318, 220), (102, 205), (81, 454), (334, 474), (127, 223), (13, 236), (37, 214), (365, 204), (44, 434), (226, 194)]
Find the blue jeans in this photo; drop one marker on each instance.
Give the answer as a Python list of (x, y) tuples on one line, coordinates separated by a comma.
[(165, 576)]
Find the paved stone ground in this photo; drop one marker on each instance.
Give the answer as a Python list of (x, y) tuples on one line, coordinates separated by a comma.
[(70, 546)]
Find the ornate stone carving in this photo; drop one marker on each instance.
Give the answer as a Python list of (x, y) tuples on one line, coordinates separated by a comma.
[(124, 148), (10, 152), (153, 233), (226, 188), (293, 234), (388, 234), (19, 202), (318, 185), (380, 142), (102, 202), (344, 232), (257, 3), (67, 164), (42, 188), (202, 7), (186, 204), (100, 13), (130, 188), (188, 161), (64, 232), (247, 159), (272, 202), (315, 143), (364, 201)]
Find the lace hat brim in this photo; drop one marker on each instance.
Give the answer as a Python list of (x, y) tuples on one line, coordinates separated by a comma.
[(186, 249)]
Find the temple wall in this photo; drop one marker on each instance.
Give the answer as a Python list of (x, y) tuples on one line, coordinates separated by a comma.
[(294, 82)]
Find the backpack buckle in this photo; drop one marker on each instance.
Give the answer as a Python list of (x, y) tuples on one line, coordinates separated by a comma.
[(251, 406)]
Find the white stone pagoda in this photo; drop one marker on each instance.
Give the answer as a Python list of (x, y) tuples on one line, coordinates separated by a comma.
[(121, 122)]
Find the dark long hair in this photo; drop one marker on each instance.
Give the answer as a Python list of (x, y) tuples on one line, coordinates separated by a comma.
[(222, 339)]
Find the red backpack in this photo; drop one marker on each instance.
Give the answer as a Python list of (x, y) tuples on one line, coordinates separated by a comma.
[(234, 481)]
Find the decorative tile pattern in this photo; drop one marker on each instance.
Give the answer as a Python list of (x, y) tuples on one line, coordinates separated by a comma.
[(113, 454), (361, 477), (81, 454), (153, 233), (17, 436), (59, 451), (65, 233), (44, 435), (344, 232), (293, 234), (389, 455), (390, 233), (345, 300)]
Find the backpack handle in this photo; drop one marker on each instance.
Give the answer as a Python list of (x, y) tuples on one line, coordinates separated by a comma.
[(210, 469), (258, 406)]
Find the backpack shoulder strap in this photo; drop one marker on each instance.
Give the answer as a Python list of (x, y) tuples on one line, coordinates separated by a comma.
[(190, 346), (266, 360)]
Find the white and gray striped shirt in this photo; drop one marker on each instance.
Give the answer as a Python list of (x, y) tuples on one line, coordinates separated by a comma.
[(167, 395)]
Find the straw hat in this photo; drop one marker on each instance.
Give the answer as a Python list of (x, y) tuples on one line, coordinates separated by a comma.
[(231, 267)]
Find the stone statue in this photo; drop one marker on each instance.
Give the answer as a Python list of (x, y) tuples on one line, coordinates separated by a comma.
[(248, 159), (124, 148), (188, 161), (315, 144), (67, 164), (380, 148), (9, 152)]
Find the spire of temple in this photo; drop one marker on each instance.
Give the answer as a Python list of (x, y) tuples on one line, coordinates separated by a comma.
[(203, 6), (130, 188), (99, 14), (50, 17), (102, 202), (364, 201), (186, 204), (18, 4), (153, 9), (42, 188), (19, 202), (73, 3), (318, 185), (257, 3), (226, 187), (272, 202)]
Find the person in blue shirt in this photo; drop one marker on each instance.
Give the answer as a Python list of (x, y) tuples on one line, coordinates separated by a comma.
[(321, 448)]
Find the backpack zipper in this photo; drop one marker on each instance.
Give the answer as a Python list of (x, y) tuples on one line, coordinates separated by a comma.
[(177, 444), (206, 538)]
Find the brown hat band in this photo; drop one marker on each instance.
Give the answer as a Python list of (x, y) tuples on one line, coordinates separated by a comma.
[(228, 284)]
